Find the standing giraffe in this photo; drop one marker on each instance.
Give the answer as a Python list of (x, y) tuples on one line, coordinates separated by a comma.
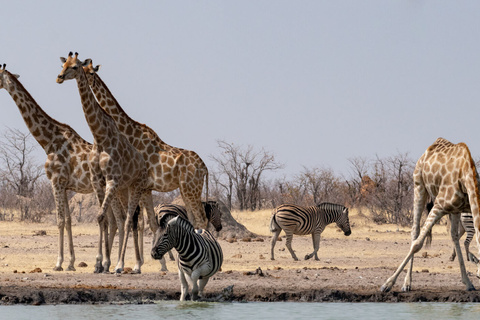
[(169, 168), (67, 160), (446, 172), (112, 158)]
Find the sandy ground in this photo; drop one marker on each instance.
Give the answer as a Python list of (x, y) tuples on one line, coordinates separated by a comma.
[(350, 268)]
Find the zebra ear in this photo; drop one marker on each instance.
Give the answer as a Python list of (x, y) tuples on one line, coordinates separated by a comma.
[(163, 220)]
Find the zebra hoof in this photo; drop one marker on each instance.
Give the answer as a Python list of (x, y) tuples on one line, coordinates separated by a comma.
[(307, 257), (71, 268)]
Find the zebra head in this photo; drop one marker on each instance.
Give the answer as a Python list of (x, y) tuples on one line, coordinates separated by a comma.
[(344, 223), (163, 240), (214, 214)]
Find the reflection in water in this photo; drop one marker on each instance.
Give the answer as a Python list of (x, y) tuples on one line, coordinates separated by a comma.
[(251, 310)]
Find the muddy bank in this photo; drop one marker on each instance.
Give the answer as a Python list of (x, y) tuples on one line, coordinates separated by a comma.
[(11, 295)]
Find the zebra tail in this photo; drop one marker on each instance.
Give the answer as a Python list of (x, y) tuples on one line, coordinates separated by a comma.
[(274, 227)]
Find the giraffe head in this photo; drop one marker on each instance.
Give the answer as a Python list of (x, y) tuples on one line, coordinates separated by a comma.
[(90, 71), (71, 67), (4, 76)]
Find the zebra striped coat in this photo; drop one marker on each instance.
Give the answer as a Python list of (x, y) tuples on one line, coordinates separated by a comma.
[(299, 220), (213, 213), (199, 254)]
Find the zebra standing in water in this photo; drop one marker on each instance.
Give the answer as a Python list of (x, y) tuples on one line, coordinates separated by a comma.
[(299, 220), (199, 254), (213, 213)]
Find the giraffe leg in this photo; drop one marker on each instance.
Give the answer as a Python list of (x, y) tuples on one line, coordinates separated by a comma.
[(102, 219), (68, 228), (433, 217), (288, 244), (274, 241), (58, 192), (191, 191), (461, 231), (420, 201), (119, 214), (455, 219)]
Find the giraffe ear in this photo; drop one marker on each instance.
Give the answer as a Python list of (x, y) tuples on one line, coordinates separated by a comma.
[(63, 59), (16, 75), (97, 68), (86, 62)]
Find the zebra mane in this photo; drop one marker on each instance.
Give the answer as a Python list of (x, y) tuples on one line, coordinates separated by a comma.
[(165, 219), (324, 205), (183, 223)]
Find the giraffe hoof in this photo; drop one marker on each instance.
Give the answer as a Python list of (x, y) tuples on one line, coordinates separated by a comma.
[(385, 288), (71, 268), (406, 288), (136, 272), (307, 257), (58, 269)]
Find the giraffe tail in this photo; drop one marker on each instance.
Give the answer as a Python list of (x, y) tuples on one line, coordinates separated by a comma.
[(206, 186)]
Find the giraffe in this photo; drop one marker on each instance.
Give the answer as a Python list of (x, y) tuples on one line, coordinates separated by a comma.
[(445, 172), (66, 165), (112, 158), (169, 167)]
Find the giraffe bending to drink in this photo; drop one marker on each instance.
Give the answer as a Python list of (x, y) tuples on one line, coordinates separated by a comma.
[(168, 167), (445, 172), (114, 162), (66, 165)]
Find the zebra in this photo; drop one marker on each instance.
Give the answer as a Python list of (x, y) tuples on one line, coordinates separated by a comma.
[(299, 220), (466, 226), (199, 254), (212, 210)]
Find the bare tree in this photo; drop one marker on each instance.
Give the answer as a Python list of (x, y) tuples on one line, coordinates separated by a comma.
[(392, 200), (358, 170), (321, 184), (240, 173), (18, 171)]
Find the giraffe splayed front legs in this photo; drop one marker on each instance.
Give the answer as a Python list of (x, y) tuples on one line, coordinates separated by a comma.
[(445, 172)]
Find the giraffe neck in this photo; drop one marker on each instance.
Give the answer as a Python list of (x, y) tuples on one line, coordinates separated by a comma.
[(134, 131), (101, 125), (43, 128)]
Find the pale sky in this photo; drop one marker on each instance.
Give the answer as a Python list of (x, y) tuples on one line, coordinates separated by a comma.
[(313, 82)]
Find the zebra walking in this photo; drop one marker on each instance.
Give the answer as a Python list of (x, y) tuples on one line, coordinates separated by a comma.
[(213, 213), (299, 220), (199, 254)]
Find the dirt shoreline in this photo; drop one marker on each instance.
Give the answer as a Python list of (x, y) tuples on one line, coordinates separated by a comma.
[(351, 269)]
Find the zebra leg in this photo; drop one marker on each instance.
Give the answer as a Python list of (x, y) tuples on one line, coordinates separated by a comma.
[(201, 285), (316, 246), (455, 219), (274, 240), (183, 283), (164, 264), (170, 254), (288, 244)]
